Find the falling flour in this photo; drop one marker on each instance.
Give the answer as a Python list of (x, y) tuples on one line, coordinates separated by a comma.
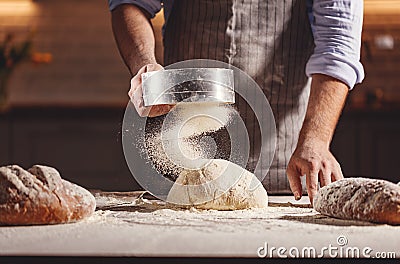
[(180, 140)]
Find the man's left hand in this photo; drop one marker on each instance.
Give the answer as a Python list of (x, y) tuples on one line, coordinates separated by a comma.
[(314, 160), (312, 157)]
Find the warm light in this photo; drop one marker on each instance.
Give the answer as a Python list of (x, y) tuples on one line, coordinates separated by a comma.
[(17, 7), (382, 6), (158, 20)]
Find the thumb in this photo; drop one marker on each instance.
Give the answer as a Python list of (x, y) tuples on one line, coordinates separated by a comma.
[(294, 180)]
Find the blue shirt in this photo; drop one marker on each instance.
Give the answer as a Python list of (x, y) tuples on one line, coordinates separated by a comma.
[(336, 27)]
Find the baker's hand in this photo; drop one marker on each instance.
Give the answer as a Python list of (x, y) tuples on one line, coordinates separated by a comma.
[(136, 94), (314, 160)]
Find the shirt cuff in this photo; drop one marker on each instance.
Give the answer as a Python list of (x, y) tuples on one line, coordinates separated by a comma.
[(337, 67), (151, 6)]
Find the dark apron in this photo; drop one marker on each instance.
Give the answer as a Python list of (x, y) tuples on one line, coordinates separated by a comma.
[(271, 41)]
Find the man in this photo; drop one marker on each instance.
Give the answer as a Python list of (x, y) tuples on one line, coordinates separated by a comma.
[(281, 44)]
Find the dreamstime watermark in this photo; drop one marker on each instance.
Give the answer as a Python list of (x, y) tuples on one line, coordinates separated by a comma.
[(332, 251)]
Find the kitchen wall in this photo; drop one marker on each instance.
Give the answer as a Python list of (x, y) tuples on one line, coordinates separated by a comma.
[(68, 114), (86, 68), (380, 54)]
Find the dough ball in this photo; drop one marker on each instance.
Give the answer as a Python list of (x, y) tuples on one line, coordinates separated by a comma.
[(219, 185)]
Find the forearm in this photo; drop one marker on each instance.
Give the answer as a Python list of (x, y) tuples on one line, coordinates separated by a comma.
[(327, 97), (335, 68), (134, 35)]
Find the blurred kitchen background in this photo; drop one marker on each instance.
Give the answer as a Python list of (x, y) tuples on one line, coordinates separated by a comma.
[(65, 105)]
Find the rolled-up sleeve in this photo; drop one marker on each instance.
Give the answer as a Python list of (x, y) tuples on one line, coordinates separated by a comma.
[(337, 26), (151, 6)]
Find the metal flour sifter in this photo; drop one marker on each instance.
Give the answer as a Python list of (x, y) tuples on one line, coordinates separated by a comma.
[(188, 85)]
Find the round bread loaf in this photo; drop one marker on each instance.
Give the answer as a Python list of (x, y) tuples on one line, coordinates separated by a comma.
[(362, 199), (40, 196), (220, 185)]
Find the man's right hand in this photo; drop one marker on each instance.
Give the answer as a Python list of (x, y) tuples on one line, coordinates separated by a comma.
[(136, 94)]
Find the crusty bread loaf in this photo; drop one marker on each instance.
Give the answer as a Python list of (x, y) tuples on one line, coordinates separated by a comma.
[(41, 196), (362, 199)]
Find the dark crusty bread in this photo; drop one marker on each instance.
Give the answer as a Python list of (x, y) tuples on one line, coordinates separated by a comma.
[(41, 196), (362, 199)]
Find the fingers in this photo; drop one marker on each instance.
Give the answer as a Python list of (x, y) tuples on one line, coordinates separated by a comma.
[(312, 184), (317, 163), (137, 100), (337, 173), (324, 175), (136, 81), (158, 110), (294, 180), (136, 94), (324, 179), (327, 172)]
